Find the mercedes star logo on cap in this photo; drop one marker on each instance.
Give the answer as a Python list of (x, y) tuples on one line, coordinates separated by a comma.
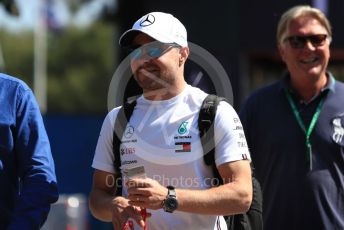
[(147, 21)]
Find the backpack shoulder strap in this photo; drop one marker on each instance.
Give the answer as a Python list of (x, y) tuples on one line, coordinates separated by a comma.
[(121, 122), (206, 119)]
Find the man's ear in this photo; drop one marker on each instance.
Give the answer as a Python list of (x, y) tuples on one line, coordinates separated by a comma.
[(184, 54)]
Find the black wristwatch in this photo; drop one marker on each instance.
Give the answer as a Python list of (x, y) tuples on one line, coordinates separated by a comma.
[(171, 202)]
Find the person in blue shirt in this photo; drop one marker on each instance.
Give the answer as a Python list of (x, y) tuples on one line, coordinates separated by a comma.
[(27, 175), (295, 127)]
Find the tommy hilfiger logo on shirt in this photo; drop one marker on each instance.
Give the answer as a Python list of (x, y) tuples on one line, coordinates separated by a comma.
[(182, 147)]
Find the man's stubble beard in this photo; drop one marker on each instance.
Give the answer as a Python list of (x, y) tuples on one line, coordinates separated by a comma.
[(157, 80)]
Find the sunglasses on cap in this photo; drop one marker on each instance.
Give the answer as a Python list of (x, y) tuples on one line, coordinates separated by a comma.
[(152, 50), (299, 42)]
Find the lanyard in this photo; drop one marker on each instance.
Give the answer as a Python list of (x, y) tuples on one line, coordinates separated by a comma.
[(308, 131)]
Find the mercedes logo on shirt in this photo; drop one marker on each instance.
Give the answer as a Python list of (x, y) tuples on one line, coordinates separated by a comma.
[(148, 20), (129, 132)]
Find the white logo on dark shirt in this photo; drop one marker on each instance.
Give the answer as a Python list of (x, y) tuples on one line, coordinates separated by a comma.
[(338, 130)]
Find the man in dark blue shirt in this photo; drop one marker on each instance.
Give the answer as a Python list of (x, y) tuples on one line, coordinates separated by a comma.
[(27, 174), (295, 130)]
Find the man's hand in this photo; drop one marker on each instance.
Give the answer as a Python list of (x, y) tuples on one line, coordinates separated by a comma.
[(122, 211), (146, 193)]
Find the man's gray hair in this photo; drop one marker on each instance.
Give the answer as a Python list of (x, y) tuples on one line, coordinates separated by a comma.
[(299, 11)]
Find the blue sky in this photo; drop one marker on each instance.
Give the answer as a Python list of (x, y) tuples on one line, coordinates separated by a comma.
[(29, 9)]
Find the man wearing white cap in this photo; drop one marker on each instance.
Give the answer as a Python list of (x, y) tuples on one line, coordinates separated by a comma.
[(161, 143)]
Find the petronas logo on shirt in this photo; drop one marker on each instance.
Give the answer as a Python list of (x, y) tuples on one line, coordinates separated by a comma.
[(182, 128)]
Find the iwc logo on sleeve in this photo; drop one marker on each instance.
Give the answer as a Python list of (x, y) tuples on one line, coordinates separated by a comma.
[(338, 129)]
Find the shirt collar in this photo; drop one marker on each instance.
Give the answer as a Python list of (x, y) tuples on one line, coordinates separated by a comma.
[(331, 82), (330, 85)]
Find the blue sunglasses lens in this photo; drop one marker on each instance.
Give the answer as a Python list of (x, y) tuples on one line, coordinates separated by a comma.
[(155, 52), (151, 50)]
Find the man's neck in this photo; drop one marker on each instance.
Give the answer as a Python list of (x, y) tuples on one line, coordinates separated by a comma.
[(310, 88)]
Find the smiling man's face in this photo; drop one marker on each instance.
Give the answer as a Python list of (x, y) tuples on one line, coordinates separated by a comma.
[(310, 60)]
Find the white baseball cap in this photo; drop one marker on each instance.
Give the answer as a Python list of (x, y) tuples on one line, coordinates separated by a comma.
[(160, 26)]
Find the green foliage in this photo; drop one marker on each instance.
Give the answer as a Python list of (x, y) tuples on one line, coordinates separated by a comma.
[(80, 73), (79, 67), (17, 50)]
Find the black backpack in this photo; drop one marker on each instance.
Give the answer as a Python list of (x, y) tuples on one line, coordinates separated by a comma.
[(252, 219)]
